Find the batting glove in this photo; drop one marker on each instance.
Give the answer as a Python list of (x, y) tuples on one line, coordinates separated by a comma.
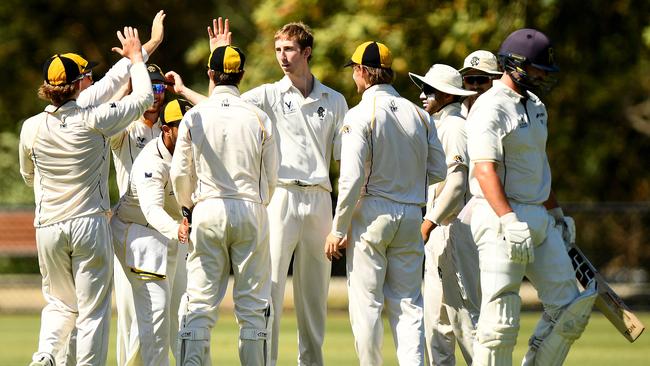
[(566, 224), (518, 239)]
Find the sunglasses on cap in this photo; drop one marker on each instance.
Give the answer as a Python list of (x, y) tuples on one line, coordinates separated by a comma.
[(477, 79), (158, 88)]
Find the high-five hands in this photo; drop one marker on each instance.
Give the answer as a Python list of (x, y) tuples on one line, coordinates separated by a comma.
[(219, 34), (131, 46)]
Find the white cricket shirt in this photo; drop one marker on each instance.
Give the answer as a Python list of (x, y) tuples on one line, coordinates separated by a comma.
[(307, 128), (127, 145), (388, 148), (225, 149), (450, 126), (150, 200), (500, 128), (64, 152)]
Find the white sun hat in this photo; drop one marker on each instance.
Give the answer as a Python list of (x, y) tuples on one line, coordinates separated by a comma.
[(481, 60), (444, 78)]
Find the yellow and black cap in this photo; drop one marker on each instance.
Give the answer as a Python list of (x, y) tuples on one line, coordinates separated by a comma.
[(372, 54), (227, 59), (155, 73), (65, 69), (173, 111)]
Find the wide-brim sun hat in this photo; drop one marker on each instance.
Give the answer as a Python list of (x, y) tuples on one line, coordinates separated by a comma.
[(443, 78)]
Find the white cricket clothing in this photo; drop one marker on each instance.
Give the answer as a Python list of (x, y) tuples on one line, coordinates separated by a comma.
[(150, 200), (451, 304), (307, 128), (225, 149), (127, 145), (76, 261), (506, 128), (64, 152), (510, 129), (389, 149), (450, 126), (300, 212)]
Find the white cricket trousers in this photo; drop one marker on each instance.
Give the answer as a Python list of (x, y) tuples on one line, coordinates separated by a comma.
[(149, 328), (551, 273), (227, 233), (300, 219), (75, 257), (451, 293), (385, 255)]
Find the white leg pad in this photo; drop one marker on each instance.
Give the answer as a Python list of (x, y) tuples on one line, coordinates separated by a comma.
[(553, 337), (194, 347), (497, 330)]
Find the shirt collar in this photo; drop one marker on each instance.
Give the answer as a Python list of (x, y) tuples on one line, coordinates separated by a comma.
[(379, 89), (226, 89), (451, 109), (70, 104), (317, 90), (162, 149)]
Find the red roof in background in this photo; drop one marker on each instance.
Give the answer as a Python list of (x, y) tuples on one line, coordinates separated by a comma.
[(17, 233)]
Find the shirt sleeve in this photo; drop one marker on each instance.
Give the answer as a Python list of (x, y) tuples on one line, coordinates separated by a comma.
[(270, 157), (150, 179), (104, 89), (111, 118), (27, 136), (182, 166), (450, 197), (354, 146), (257, 97), (454, 142), (339, 115), (484, 134), (436, 167)]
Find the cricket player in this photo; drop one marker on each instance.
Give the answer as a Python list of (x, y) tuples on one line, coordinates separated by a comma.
[(479, 69), (147, 227), (451, 293), (307, 117), (515, 234), (388, 150), (64, 155), (224, 170)]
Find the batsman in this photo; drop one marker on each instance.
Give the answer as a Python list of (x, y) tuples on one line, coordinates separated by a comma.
[(514, 222)]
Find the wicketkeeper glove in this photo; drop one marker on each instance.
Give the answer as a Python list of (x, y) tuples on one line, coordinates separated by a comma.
[(518, 239), (566, 224)]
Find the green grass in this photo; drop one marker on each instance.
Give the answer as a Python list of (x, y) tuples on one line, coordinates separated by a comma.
[(601, 344)]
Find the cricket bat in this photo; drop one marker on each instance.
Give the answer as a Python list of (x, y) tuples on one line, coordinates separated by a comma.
[(608, 302)]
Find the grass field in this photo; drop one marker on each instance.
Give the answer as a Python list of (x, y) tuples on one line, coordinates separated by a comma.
[(600, 345)]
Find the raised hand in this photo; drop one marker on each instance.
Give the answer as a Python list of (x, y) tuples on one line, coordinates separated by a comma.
[(131, 46), (157, 27), (219, 34), (178, 85)]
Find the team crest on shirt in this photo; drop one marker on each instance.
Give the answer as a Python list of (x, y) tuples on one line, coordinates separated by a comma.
[(288, 107), (63, 124), (225, 103), (148, 175), (345, 129), (458, 159), (392, 106), (321, 112), (140, 142)]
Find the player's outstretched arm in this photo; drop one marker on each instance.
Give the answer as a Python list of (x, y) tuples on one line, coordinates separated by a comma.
[(180, 88), (157, 33)]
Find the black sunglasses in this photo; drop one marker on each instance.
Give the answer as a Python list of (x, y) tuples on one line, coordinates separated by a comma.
[(477, 79), (428, 90)]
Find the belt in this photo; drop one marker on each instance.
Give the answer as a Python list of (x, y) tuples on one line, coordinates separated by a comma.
[(299, 183)]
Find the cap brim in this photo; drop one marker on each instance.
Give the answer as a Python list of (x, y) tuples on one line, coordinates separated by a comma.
[(466, 69), (450, 89), (349, 63), (90, 65)]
